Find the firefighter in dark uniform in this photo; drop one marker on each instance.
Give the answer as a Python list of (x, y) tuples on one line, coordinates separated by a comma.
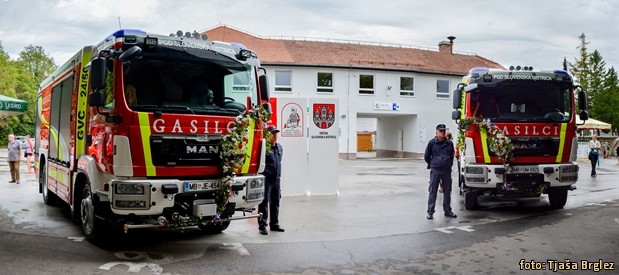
[(269, 207), (439, 156)]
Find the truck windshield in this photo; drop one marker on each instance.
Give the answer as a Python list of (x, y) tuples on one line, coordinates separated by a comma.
[(543, 103), (183, 82)]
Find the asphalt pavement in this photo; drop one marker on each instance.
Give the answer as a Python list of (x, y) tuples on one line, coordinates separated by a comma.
[(377, 197)]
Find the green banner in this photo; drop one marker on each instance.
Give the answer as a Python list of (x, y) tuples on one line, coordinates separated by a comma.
[(9, 105)]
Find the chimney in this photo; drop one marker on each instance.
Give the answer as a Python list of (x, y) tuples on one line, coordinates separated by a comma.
[(446, 46)]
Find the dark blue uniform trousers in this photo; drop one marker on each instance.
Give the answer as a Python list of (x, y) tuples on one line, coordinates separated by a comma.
[(437, 177), (269, 207)]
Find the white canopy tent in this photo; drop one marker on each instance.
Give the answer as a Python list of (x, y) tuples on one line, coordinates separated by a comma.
[(592, 124)]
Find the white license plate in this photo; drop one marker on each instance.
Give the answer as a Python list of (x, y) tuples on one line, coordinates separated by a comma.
[(202, 185), (525, 169)]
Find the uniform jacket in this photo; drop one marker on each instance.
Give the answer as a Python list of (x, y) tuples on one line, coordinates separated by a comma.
[(439, 155), (273, 170)]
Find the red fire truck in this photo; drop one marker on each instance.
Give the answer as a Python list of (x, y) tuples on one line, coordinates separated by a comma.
[(517, 134), (129, 132)]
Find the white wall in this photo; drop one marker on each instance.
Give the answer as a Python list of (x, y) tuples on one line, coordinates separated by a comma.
[(422, 110), (366, 124)]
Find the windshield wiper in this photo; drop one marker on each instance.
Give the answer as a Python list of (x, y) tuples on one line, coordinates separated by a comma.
[(178, 107), (218, 110), (146, 107)]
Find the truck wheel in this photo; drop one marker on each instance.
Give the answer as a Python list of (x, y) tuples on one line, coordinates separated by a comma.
[(557, 197), (48, 197), (90, 225), (214, 228), (470, 200)]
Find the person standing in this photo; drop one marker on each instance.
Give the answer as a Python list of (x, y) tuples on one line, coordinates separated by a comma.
[(616, 148), (14, 157), (449, 136), (28, 153), (269, 207), (439, 156), (605, 149), (594, 153)]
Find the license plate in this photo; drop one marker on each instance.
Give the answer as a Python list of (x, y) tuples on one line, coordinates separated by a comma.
[(525, 169), (202, 185)]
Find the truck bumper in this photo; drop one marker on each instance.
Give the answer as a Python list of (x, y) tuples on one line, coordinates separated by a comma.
[(490, 176), (148, 197)]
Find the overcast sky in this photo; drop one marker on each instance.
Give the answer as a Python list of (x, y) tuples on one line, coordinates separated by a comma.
[(538, 33)]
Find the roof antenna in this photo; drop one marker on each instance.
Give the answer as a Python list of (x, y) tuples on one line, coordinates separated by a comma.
[(119, 23), (451, 39)]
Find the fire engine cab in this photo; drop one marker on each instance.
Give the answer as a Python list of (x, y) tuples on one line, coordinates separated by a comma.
[(517, 133), (129, 132)]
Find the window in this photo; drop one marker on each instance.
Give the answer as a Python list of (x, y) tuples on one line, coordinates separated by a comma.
[(407, 86), (240, 82), (366, 84), (283, 81), (325, 83), (60, 119), (442, 88)]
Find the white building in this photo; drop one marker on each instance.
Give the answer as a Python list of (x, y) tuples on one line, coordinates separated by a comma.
[(402, 91)]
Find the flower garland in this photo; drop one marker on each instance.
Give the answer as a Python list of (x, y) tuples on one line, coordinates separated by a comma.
[(498, 142), (233, 147)]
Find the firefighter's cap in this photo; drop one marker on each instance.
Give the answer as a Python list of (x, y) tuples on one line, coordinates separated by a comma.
[(441, 127), (272, 129)]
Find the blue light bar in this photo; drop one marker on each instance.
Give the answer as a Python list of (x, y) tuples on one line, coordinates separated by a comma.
[(479, 70), (238, 46), (125, 32), (560, 72)]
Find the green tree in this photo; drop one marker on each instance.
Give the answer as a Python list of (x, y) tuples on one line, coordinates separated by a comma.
[(39, 64), (607, 100), (601, 84), (597, 73), (580, 67), (18, 82)]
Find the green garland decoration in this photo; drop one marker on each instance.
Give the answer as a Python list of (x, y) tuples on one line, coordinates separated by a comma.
[(498, 142), (233, 148)]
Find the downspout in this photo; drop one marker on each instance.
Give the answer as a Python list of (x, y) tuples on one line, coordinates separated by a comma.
[(348, 105)]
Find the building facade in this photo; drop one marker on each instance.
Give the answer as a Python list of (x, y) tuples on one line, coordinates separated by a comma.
[(404, 91)]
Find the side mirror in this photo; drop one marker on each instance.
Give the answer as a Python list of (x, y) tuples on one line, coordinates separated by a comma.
[(582, 99), (457, 97), (583, 115), (455, 115), (263, 81), (129, 54), (97, 73), (96, 99)]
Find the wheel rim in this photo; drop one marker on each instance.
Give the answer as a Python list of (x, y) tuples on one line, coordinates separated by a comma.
[(87, 212), (44, 178)]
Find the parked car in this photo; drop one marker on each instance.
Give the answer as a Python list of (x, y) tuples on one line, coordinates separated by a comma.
[(22, 141)]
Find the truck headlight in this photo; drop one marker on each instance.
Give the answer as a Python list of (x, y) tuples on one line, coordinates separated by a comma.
[(256, 183), (130, 204), (130, 188), (475, 170)]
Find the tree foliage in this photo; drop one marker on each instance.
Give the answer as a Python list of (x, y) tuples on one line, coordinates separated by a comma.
[(17, 80), (600, 83), (34, 59)]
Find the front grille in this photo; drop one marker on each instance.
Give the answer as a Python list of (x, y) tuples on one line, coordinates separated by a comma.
[(186, 151), (530, 147)]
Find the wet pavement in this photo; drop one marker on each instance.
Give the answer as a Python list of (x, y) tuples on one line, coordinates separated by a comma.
[(377, 197)]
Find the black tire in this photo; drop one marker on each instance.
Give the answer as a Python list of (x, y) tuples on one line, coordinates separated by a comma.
[(214, 228), (471, 200), (557, 197), (91, 225), (49, 197), (461, 184)]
